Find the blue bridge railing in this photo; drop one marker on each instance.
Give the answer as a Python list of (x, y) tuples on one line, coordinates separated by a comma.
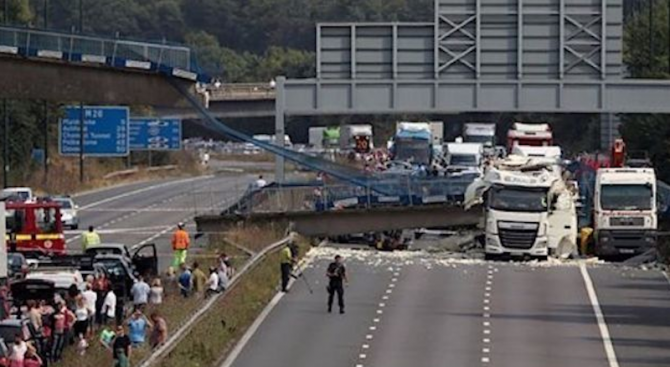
[(319, 196), (113, 52)]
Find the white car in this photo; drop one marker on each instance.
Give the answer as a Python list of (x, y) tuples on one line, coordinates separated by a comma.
[(68, 212), (20, 193), (63, 278)]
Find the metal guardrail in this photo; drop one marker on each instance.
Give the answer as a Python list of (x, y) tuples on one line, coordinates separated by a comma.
[(76, 47), (185, 327), (232, 92)]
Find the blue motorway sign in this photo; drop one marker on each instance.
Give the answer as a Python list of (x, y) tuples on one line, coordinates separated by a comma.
[(147, 133), (105, 131)]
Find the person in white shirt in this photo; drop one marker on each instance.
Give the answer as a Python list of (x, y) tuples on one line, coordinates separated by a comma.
[(109, 307), (140, 292), (90, 299), (260, 183), (212, 283)]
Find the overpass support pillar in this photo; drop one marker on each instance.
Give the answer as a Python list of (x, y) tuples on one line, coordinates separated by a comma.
[(280, 128)]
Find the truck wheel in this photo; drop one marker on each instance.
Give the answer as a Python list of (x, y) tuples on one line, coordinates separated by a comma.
[(491, 257)]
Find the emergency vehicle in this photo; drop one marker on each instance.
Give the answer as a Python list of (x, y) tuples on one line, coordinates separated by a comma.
[(34, 227)]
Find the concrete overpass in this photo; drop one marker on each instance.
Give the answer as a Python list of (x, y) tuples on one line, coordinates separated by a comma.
[(247, 100), (334, 223)]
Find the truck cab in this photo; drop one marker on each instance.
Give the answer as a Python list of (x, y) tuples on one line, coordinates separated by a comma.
[(529, 210), (625, 211), (464, 157), (537, 135)]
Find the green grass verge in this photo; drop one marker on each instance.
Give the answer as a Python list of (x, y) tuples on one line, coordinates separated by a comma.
[(214, 335)]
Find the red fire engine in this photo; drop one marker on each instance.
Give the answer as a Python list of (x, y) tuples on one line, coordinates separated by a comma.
[(35, 227)]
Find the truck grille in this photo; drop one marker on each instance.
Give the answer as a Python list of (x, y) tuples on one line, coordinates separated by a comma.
[(517, 238), (627, 221)]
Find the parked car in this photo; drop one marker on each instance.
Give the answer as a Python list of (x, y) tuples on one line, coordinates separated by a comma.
[(63, 278), (68, 211), (17, 194)]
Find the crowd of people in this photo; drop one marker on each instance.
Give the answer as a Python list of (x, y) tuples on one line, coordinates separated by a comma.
[(97, 314)]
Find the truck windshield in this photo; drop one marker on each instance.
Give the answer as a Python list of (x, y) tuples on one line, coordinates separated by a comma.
[(626, 197), (518, 199), (463, 160), (483, 139), (414, 151)]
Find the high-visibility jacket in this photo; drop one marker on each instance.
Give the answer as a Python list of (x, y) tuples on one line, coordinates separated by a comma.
[(89, 239), (286, 256), (180, 240)]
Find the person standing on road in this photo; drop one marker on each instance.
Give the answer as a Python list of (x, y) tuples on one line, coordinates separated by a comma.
[(337, 275), (180, 245), (89, 239), (287, 261)]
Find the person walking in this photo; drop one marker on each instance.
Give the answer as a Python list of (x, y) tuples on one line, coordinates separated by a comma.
[(101, 285), (337, 276), (81, 313), (287, 261), (89, 239), (199, 278), (180, 245), (109, 307)]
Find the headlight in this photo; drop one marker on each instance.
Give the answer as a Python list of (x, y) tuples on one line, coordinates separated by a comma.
[(542, 244)]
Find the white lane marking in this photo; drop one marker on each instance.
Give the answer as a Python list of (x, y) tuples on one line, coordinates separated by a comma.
[(486, 350), (486, 340), (366, 346), (382, 304), (142, 190), (487, 308), (373, 328), (362, 356), (369, 337), (600, 318), (487, 315), (394, 280), (488, 282), (391, 285), (379, 312), (487, 301), (487, 294), (239, 346), (487, 331), (359, 365), (389, 291), (485, 359), (376, 320), (488, 289), (385, 298)]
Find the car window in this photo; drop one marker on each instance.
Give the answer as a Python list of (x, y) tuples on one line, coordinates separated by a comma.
[(65, 204), (46, 219)]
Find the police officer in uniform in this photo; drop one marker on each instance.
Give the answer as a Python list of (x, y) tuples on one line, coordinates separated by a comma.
[(337, 276)]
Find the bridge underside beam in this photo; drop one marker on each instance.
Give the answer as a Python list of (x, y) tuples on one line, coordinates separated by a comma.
[(336, 223), (56, 81), (226, 109), (339, 97)]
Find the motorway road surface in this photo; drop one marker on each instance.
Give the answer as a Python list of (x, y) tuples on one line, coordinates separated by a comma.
[(406, 310), (148, 212)]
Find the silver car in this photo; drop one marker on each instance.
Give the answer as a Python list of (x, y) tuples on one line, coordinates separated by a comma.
[(68, 212)]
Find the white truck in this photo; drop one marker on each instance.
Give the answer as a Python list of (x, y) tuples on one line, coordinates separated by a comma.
[(316, 137), (538, 135), (356, 138), (530, 210), (625, 211), (483, 133), (464, 158)]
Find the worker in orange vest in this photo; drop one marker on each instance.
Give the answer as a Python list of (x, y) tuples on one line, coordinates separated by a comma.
[(180, 244)]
